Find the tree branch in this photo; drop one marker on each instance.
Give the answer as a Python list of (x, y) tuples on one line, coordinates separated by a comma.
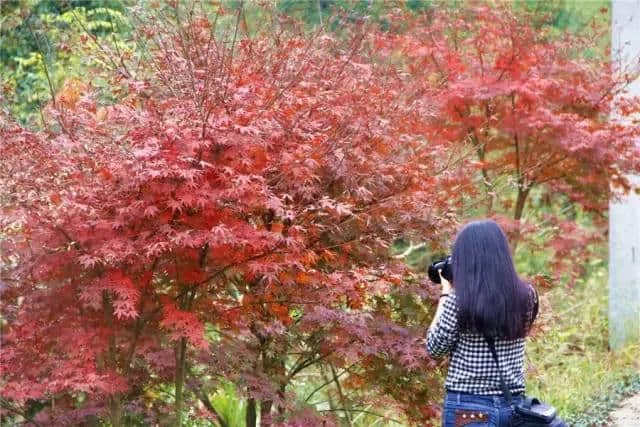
[(363, 411)]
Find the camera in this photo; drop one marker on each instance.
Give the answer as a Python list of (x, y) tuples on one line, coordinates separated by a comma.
[(445, 266)]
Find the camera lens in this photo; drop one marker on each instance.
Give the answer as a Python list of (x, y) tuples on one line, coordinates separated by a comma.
[(445, 266)]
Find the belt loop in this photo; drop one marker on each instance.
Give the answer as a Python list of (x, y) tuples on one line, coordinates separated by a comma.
[(458, 397)]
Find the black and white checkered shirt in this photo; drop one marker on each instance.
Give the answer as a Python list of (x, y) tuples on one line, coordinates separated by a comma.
[(471, 368)]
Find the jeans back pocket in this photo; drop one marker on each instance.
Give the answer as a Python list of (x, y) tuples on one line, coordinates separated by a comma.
[(471, 418)]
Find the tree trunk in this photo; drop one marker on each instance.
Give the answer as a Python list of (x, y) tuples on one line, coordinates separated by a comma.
[(487, 188), (181, 357), (522, 198), (115, 410), (343, 401), (485, 174), (332, 405), (282, 371), (281, 409), (265, 412), (517, 215), (250, 417), (115, 405), (179, 381)]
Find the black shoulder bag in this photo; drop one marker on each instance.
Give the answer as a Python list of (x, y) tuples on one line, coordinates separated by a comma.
[(530, 412)]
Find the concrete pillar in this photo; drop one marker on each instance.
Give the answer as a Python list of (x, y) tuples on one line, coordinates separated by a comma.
[(624, 214)]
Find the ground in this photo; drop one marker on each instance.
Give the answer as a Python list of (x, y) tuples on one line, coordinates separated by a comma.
[(628, 414)]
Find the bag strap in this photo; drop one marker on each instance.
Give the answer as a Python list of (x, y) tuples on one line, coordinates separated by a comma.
[(505, 390)]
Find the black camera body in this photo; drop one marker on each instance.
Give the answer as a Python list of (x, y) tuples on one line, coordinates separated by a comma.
[(445, 266)]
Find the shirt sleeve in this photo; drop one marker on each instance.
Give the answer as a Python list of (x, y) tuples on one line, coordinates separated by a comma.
[(443, 336)]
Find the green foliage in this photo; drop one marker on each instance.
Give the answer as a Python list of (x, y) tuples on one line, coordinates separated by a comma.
[(317, 12), (44, 43), (569, 363), (570, 15), (229, 407), (575, 16)]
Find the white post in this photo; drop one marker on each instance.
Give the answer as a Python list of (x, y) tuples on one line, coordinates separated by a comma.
[(624, 214)]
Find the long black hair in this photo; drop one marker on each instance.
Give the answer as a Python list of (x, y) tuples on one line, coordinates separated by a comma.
[(491, 297)]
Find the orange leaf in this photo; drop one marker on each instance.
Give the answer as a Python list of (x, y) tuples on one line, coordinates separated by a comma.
[(106, 173), (303, 278)]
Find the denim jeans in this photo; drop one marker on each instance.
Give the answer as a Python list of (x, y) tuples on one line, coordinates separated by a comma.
[(473, 410)]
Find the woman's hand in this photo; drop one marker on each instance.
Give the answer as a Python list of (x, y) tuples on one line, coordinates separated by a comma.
[(447, 288)]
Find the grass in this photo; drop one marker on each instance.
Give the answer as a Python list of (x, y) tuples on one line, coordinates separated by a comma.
[(568, 361), (599, 409)]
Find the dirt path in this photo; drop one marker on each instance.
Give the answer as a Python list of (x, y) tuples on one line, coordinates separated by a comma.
[(627, 415)]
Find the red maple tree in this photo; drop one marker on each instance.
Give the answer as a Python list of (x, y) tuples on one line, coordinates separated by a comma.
[(540, 109), (252, 189)]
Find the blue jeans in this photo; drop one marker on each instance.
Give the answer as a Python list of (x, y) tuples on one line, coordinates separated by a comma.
[(474, 410)]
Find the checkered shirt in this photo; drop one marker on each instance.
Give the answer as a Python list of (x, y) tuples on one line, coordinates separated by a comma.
[(472, 368)]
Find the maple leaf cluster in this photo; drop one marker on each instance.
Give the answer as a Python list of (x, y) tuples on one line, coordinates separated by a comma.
[(529, 101)]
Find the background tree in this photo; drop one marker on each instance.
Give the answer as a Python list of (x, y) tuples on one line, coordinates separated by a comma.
[(39, 50), (533, 107)]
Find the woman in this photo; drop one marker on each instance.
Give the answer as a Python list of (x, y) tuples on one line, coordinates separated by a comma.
[(487, 298)]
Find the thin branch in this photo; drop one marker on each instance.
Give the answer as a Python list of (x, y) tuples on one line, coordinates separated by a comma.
[(309, 362), (44, 65), (5, 404), (340, 393), (204, 398), (233, 45), (235, 264), (95, 41), (362, 411), (115, 44)]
